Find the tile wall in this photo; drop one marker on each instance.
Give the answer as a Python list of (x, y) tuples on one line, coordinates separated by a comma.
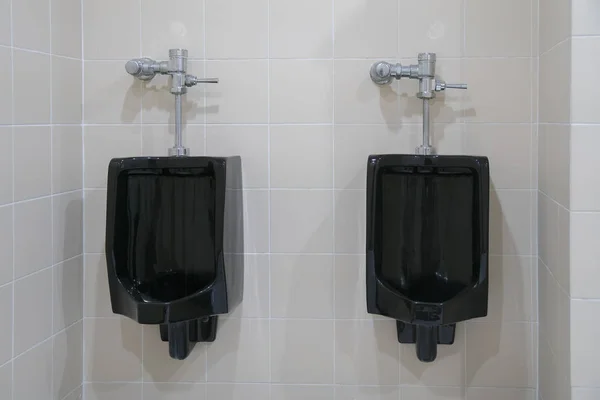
[(296, 102), (41, 205)]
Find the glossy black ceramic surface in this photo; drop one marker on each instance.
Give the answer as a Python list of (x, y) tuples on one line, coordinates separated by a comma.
[(427, 243)]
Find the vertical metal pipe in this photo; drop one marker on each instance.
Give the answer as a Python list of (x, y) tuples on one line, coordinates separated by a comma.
[(178, 122), (426, 122)]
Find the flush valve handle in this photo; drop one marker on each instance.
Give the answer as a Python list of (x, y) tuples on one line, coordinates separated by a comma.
[(441, 85)]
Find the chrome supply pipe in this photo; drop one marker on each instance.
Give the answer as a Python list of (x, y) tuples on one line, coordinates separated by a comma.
[(425, 148)]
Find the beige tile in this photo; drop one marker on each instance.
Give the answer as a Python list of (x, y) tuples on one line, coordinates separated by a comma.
[(249, 142), (113, 350), (447, 370), (31, 162), (301, 221), (174, 391), (555, 162), (94, 206), (432, 393), (302, 351), (158, 139), (366, 353), (486, 33), (362, 30), (6, 164), (237, 99), (585, 393), (31, 75), (585, 17), (584, 331), (159, 367), (6, 244), (67, 225), (5, 22), (367, 393), (350, 288), (6, 380), (555, 22), (484, 95), (68, 293), (291, 166), (354, 144), (66, 91), (31, 24), (122, 40), (446, 138), (311, 82), (32, 230), (301, 392), (500, 355), (510, 222), (301, 286), (158, 104), (509, 149), (584, 54), (358, 100), (173, 24), (68, 356), (434, 26), (6, 309), (242, 352), (67, 162), (583, 260), (510, 290), (66, 28), (238, 392), (350, 221), (97, 297), (256, 221), (585, 194), (111, 95), (32, 318), (555, 93), (500, 394), (237, 29), (32, 373), (103, 143), (255, 303), (289, 37), (6, 82), (112, 391)]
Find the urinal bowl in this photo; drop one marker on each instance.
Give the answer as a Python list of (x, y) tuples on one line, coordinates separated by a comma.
[(427, 244), (174, 244)]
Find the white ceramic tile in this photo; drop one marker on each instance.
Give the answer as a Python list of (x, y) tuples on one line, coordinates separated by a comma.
[(103, 143), (585, 393), (434, 26), (555, 22), (366, 353), (113, 350), (6, 380), (67, 225), (66, 91), (237, 29), (111, 95), (32, 317), (6, 244), (76, 394), (548, 231), (97, 297), (250, 360), (172, 391), (31, 75), (6, 82), (585, 192), (6, 309), (237, 99), (446, 138), (301, 91), (555, 94), (94, 209), (238, 391), (500, 355), (555, 160), (256, 221), (67, 158), (500, 394), (301, 286), (255, 303), (302, 392), (301, 156), (68, 357), (350, 221), (5, 22), (367, 393), (510, 222), (68, 293), (158, 139), (31, 162), (585, 17), (585, 53), (510, 290), (289, 37), (350, 287), (358, 100), (584, 329), (486, 33), (302, 351), (31, 24), (159, 367), (301, 221), (66, 27), (32, 373), (249, 142), (122, 40), (32, 230), (112, 391), (170, 25), (485, 94), (362, 30), (432, 393), (6, 165), (584, 261)]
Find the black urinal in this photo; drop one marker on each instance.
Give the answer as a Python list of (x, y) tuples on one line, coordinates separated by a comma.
[(174, 244), (427, 244)]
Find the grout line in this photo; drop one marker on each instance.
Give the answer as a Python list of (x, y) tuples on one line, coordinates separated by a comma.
[(12, 60), (52, 213), (333, 197), (84, 263), (269, 3)]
